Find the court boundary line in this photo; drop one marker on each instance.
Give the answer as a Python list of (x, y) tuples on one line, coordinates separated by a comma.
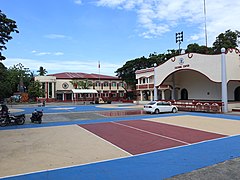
[(159, 135), (142, 154)]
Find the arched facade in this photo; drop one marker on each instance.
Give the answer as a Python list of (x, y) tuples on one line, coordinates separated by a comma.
[(193, 77)]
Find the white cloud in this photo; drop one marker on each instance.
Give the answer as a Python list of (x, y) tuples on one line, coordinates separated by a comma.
[(79, 2), (55, 36), (51, 66), (157, 17), (58, 53), (43, 53), (46, 53)]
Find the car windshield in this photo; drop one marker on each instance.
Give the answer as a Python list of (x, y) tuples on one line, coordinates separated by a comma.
[(151, 103)]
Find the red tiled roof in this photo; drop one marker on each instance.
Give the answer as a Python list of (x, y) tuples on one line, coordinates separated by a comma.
[(73, 75), (145, 70)]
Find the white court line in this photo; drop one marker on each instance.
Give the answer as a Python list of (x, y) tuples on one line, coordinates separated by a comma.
[(151, 133)]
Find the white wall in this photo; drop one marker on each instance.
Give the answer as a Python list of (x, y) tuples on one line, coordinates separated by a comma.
[(209, 65)]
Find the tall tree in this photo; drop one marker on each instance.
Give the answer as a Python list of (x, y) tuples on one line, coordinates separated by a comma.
[(5, 86), (35, 90), (42, 71), (195, 48), (229, 39), (7, 26), (19, 77)]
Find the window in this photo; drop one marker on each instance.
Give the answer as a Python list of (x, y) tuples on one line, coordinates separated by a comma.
[(114, 95), (50, 90), (105, 84), (143, 80), (98, 84), (121, 94), (114, 84), (88, 95), (105, 94)]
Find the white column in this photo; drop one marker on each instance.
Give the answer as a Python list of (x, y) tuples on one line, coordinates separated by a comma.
[(152, 95), (163, 95), (173, 83), (224, 81), (155, 88), (141, 96)]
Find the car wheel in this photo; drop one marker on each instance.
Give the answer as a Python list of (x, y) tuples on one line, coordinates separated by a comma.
[(174, 110), (156, 111)]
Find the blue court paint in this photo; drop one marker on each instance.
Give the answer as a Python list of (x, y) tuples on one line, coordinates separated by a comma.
[(156, 165), (210, 115), (50, 124), (73, 108)]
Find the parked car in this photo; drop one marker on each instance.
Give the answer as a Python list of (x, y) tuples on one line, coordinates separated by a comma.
[(159, 106)]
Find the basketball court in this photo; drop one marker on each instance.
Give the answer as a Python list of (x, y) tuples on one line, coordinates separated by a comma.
[(135, 147)]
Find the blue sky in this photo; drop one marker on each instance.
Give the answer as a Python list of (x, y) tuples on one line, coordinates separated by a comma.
[(73, 35)]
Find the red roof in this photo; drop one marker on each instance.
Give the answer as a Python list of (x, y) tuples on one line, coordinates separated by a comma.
[(144, 70), (73, 75)]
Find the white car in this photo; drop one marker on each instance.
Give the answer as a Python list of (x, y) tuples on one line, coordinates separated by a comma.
[(159, 106)]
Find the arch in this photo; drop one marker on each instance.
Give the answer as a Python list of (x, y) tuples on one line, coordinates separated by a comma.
[(182, 70), (168, 94), (237, 94), (184, 94)]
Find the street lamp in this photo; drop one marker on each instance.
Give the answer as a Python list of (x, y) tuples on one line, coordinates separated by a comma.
[(179, 39), (155, 88)]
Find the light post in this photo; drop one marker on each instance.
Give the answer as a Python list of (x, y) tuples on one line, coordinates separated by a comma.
[(224, 81), (155, 88), (179, 39)]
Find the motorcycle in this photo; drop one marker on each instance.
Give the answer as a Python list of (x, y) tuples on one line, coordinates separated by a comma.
[(8, 119), (36, 116)]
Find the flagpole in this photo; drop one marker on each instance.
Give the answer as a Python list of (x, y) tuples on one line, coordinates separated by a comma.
[(99, 78), (205, 17)]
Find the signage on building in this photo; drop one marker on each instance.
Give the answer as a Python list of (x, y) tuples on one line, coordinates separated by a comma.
[(181, 64)]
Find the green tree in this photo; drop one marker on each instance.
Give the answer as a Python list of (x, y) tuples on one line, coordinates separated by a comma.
[(127, 71), (19, 77), (35, 90), (7, 26), (5, 86), (195, 48), (85, 84), (229, 39), (42, 71), (75, 83)]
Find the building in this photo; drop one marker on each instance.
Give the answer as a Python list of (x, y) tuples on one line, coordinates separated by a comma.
[(191, 77), (63, 87)]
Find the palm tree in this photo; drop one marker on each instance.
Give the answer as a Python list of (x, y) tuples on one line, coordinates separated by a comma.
[(85, 84), (75, 83), (42, 71)]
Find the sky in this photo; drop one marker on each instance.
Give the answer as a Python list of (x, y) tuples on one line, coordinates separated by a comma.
[(75, 35)]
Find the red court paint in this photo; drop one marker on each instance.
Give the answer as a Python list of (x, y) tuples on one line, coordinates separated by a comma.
[(131, 140), (181, 133)]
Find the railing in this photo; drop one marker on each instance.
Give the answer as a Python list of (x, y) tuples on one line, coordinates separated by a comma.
[(198, 106)]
